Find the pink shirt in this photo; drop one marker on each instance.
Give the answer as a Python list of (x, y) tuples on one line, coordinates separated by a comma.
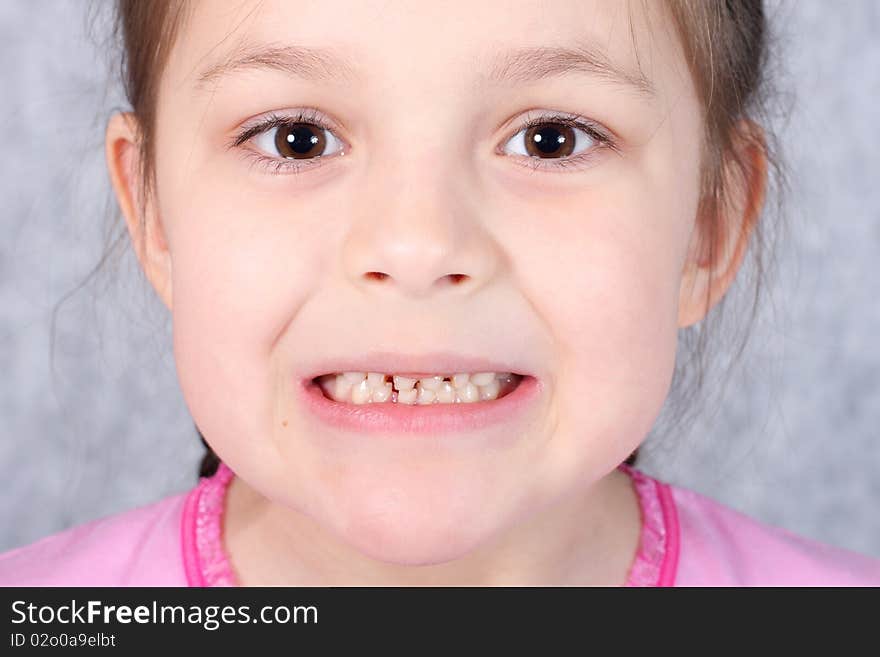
[(686, 540)]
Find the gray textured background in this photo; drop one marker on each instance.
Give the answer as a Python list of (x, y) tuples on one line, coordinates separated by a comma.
[(793, 443)]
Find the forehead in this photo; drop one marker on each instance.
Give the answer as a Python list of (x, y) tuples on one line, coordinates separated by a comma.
[(628, 45)]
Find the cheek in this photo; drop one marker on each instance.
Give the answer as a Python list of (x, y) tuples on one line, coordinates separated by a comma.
[(608, 289), (619, 333), (243, 265), (621, 286), (621, 337)]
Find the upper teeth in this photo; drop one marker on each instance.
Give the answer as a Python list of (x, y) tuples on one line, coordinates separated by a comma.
[(366, 387)]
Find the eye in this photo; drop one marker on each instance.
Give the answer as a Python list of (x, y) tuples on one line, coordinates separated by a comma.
[(292, 143), (297, 142), (549, 141)]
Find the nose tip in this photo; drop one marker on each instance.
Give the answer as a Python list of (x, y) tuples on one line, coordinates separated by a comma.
[(422, 239)]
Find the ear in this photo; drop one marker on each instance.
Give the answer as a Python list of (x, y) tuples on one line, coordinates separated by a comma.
[(121, 147), (703, 282)]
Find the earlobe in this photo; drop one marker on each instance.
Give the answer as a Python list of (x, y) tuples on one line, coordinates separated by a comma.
[(704, 282), (146, 231)]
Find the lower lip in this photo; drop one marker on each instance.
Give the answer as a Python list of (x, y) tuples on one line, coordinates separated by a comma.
[(392, 417)]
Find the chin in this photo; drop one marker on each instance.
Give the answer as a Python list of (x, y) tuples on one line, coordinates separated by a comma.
[(413, 530), (403, 544)]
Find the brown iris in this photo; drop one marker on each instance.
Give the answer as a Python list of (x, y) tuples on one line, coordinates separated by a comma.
[(550, 140), (300, 140)]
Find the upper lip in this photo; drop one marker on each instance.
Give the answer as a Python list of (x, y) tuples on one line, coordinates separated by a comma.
[(425, 363)]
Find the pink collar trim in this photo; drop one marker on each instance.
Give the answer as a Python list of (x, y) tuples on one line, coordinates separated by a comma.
[(201, 532), (656, 562), (205, 562)]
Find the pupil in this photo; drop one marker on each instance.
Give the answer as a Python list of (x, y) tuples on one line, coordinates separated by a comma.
[(299, 140), (550, 139)]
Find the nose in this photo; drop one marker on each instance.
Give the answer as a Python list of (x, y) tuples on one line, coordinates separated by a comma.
[(420, 235)]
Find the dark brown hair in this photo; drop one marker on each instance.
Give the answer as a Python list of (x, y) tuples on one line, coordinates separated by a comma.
[(726, 46)]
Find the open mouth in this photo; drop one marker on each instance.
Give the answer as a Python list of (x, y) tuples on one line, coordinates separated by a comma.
[(405, 406), (360, 388)]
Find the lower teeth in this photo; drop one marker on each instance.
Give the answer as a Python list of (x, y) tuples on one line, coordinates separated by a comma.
[(367, 391)]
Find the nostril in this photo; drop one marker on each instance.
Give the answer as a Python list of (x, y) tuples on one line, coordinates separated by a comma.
[(376, 275), (457, 278)]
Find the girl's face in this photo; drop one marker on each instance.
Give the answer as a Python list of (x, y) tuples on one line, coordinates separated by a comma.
[(571, 272)]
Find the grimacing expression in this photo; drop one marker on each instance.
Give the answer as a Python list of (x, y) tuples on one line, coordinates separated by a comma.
[(574, 272)]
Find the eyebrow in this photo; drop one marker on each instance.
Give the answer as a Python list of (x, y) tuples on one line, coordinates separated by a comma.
[(307, 63), (518, 66), (525, 65)]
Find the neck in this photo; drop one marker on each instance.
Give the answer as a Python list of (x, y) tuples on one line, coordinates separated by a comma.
[(586, 539)]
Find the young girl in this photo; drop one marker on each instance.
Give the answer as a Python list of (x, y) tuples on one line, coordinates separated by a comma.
[(427, 266)]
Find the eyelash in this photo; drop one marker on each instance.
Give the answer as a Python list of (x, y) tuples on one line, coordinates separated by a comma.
[(283, 166)]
